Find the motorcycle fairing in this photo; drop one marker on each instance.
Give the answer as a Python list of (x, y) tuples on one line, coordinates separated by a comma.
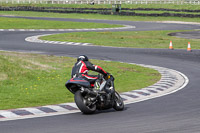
[(75, 83)]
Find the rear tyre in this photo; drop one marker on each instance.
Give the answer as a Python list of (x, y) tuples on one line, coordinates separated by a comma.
[(83, 103), (118, 103)]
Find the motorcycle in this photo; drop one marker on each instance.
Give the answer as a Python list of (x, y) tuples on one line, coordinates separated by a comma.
[(89, 99)]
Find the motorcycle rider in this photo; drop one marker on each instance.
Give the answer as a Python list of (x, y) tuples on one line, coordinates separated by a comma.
[(82, 67)]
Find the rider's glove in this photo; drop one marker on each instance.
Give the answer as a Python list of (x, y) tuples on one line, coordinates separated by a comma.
[(106, 76)]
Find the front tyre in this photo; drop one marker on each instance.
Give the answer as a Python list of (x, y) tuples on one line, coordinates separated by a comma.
[(118, 103), (83, 103)]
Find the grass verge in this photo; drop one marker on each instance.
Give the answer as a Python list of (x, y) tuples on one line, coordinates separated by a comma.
[(97, 16), (34, 80), (133, 39), (20, 23)]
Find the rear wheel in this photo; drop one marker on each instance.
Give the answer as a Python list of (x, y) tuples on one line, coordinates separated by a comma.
[(84, 103), (118, 103)]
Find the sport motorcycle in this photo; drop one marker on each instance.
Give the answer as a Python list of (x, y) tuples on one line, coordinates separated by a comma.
[(100, 97)]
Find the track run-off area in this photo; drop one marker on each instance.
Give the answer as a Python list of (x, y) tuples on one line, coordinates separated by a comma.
[(178, 112)]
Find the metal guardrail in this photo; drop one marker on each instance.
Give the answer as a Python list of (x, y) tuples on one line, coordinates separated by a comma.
[(195, 2)]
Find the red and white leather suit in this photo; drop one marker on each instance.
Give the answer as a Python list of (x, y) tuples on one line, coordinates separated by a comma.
[(81, 69)]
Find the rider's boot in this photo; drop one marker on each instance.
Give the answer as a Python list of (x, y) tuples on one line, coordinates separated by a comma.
[(97, 84)]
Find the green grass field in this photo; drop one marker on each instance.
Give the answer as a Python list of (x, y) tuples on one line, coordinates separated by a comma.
[(97, 16), (20, 23), (34, 80), (133, 39)]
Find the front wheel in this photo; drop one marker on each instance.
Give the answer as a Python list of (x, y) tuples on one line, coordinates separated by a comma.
[(118, 103), (83, 103)]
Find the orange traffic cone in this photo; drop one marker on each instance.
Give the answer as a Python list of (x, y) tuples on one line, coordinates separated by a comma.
[(189, 47), (170, 45)]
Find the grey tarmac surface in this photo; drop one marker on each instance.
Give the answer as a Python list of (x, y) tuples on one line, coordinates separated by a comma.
[(187, 35), (175, 113)]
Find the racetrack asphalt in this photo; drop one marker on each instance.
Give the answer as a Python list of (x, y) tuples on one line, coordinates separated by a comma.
[(175, 113), (187, 35)]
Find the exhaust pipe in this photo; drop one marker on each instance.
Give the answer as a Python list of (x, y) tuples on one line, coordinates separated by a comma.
[(89, 92)]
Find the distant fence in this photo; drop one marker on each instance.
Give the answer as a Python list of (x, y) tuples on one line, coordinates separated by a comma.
[(179, 2)]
